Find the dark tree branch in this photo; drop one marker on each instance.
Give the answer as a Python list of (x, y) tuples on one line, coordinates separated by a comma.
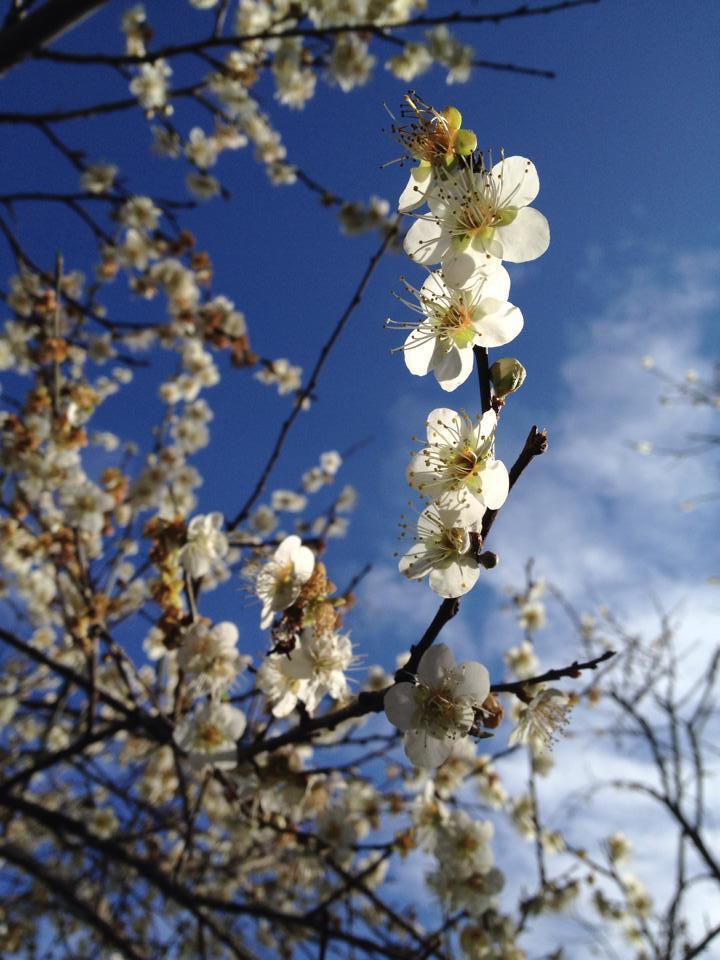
[(63, 889), (483, 370), (573, 671), (451, 19), (27, 35), (535, 445)]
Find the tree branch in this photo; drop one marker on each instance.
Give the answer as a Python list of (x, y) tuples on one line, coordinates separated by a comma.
[(41, 26), (309, 388), (573, 671)]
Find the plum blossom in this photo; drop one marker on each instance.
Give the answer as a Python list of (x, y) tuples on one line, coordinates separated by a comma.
[(206, 544), (479, 217), (454, 321), (85, 506), (320, 659), (280, 581), (281, 689), (444, 550), (439, 707), (210, 656), (465, 844), (210, 733), (541, 720), (315, 667), (458, 468), (436, 139), (150, 84), (98, 178)]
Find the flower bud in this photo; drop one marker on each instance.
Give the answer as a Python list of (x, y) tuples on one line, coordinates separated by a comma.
[(453, 117), (488, 559), (507, 376), (465, 143)]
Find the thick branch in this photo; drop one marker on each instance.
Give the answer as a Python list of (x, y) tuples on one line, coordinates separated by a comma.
[(446, 611), (41, 26), (483, 370)]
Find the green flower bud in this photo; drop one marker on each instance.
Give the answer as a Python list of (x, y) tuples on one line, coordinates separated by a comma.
[(465, 143), (507, 375), (453, 117)]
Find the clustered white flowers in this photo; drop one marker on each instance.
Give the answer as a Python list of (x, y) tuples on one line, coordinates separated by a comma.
[(469, 215), (477, 214), (75, 565)]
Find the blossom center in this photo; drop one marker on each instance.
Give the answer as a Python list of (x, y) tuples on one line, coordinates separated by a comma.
[(465, 462)]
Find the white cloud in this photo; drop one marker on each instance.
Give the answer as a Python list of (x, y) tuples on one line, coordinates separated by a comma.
[(603, 522)]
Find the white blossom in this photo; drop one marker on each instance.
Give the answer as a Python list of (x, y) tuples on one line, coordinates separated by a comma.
[(457, 467), (454, 322), (205, 545), (541, 720), (320, 658), (443, 550), (210, 733), (209, 656), (480, 217), (98, 178), (282, 578), (150, 84), (439, 707)]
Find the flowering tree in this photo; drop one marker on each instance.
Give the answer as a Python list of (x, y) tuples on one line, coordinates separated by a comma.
[(167, 790)]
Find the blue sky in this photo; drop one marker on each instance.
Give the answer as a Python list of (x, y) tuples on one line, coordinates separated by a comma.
[(626, 144)]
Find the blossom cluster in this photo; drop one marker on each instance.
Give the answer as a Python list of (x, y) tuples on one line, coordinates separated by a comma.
[(295, 63), (469, 215)]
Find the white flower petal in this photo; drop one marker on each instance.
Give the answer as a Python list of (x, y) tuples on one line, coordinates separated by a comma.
[(298, 665), (488, 424), (496, 328), (425, 751), (287, 548), (227, 633), (495, 284), (519, 180), (526, 238), (418, 475), (460, 266), (442, 424), (434, 287), (451, 375), (267, 615), (455, 578), (416, 563), (424, 241), (495, 485), (447, 363), (418, 352), (400, 705), (487, 266), (304, 564), (415, 190), (435, 663), (475, 682)]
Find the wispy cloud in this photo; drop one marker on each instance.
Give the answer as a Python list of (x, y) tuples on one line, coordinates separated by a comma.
[(603, 522)]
